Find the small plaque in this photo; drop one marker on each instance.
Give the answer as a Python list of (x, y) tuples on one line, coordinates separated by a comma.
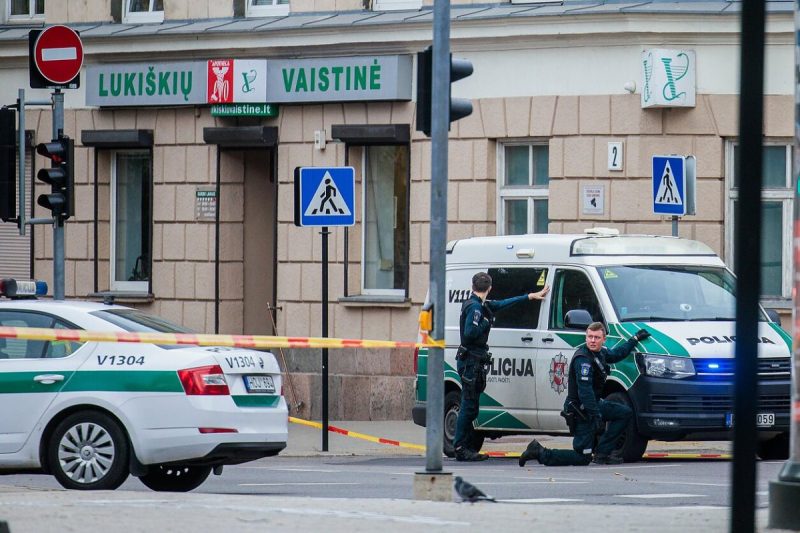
[(205, 204)]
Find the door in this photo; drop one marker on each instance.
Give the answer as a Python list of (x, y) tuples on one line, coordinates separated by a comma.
[(510, 396), (260, 219), (571, 289), (31, 375)]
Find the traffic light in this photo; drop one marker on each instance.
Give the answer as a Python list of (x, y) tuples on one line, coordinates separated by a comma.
[(8, 165), (458, 108), (59, 176)]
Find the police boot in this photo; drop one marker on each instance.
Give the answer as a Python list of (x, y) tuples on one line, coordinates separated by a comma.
[(607, 459), (467, 455), (531, 453)]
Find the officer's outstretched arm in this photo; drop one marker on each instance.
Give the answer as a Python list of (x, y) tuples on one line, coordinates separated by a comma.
[(621, 351)]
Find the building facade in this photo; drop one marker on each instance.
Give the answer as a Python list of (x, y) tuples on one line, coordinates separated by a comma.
[(185, 181)]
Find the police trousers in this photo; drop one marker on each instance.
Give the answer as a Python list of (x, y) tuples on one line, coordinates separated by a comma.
[(468, 369), (583, 443)]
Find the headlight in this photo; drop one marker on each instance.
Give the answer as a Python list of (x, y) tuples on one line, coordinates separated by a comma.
[(663, 366)]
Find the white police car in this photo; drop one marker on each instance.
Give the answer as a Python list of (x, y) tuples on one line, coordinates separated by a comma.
[(92, 413)]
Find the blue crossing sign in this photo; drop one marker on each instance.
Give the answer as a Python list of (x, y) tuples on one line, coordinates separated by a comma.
[(669, 185), (324, 196)]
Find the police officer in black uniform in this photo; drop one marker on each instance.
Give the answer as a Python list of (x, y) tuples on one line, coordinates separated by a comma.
[(473, 357), (588, 371)]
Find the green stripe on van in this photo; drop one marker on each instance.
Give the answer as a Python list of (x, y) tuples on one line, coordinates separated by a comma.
[(493, 418), (785, 336), (574, 339), (96, 380), (256, 400)]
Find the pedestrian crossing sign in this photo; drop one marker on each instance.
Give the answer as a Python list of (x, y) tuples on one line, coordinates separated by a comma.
[(669, 185), (324, 196)]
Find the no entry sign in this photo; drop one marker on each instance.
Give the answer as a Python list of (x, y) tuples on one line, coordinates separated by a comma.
[(56, 58)]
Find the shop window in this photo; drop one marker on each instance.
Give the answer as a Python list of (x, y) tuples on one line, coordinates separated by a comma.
[(131, 220), (267, 8), (396, 5), (776, 222), (385, 189), (24, 10), (143, 11), (523, 192), (510, 282), (34, 349)]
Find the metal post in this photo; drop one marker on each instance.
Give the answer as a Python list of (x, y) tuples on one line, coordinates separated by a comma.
[(324, 234), (675, 224), (439, 125), (747, 263), (785, 493), (21, 150), (58, 222)]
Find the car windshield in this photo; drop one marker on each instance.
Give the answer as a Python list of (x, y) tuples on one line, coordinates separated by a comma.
[(136, 321), (651, 293)]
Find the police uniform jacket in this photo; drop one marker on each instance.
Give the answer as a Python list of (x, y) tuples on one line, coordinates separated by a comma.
[(588, 372), (476, 321)]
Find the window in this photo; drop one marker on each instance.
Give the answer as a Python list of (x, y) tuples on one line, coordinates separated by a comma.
[(25, 10), (396, 5), (572, 290), (510, 282), (385, 220), (33, 349), (267, 8), (143, 11), (776, 224), (131, 220), (523, 189)]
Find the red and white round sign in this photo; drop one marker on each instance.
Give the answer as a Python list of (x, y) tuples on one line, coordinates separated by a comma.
[(58, 54)]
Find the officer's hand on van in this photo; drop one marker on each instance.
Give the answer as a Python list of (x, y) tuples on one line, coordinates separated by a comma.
[(539, 295), (641, 335)]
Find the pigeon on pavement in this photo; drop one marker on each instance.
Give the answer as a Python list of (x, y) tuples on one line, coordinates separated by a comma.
[(469, 492)]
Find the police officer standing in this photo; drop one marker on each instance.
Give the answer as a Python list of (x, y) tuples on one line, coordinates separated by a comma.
[(588, 371), (473, 357)]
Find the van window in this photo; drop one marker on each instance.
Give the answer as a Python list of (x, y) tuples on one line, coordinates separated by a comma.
[(509, 282), (572, 290)]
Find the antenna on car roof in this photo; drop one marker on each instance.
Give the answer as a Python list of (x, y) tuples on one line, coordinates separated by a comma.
[(108, 299)]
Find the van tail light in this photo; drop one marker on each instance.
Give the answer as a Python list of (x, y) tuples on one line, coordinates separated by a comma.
[(416, 356), (204, 381)]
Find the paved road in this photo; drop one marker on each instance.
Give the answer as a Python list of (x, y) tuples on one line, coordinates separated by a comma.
[(650, 483)]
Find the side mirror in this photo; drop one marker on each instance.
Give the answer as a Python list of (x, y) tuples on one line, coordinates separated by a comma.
[(773, 316), (578, 319)]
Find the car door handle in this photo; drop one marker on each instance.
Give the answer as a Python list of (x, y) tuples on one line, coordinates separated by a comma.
[(527, 338), (48, 379), (547, 339)]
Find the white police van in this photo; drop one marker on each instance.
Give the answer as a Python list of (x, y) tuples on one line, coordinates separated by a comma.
[(679, 382), (92, 413)]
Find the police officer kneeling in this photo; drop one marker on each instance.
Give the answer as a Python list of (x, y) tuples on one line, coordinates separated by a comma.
[(587, 374)]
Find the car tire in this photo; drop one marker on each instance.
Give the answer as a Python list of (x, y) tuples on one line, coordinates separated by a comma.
[(175, 478), (89, 451), (452, 406), (631, 445), (774, 449)]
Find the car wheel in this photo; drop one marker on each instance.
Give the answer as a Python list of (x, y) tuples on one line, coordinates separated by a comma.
[(774, 449), (89, 451), (175, 478), (631, 445), (452, 406)]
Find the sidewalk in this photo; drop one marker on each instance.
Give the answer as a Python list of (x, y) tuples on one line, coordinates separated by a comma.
[(306, 441)]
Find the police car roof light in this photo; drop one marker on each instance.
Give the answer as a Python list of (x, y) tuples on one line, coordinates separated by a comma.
[(16, 289)]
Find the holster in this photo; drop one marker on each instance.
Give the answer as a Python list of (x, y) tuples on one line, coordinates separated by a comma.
[(569, 417)]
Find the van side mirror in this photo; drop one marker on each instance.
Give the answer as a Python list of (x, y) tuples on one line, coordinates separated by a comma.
[(578, 319), (773, 316)]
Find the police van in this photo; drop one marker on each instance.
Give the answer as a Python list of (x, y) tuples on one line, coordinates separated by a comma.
[(679, 382)]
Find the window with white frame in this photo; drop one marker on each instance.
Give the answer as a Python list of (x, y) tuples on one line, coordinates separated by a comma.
[(523, 188), (267, 8), (385, 220), (776, 223), (131, 220), (24, 10), (396, 5), (143, 11)]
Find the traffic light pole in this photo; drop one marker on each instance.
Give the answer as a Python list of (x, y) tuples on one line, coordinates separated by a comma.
[(58, 221)]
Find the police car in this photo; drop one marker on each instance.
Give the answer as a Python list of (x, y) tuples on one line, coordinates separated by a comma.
[(93, 413)]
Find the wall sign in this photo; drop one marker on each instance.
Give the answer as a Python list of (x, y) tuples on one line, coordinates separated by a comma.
[(668, 78), (205, 203), (143, 84), (594, 199)]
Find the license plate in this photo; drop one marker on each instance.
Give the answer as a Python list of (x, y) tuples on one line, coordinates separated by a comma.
[(259, 384), (763, 420)]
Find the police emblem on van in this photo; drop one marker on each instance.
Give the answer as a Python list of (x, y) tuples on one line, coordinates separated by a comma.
[(558, 373)]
